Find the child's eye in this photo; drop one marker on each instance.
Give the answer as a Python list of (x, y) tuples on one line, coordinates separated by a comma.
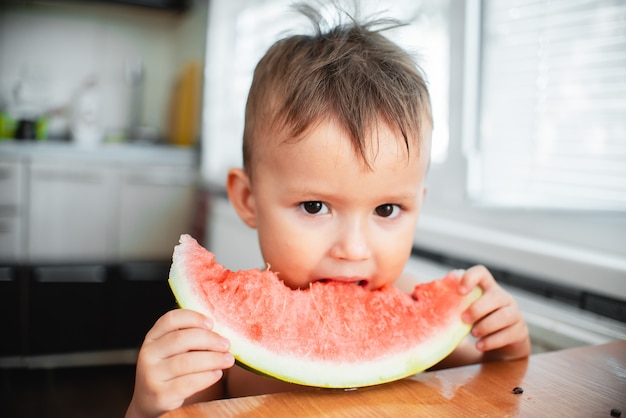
[(314, 207), (387, 210)]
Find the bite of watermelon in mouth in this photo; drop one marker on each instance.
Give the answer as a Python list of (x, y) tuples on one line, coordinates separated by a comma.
[(361, 283)]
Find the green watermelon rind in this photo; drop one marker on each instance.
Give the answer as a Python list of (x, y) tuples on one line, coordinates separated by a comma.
[(324, 373)]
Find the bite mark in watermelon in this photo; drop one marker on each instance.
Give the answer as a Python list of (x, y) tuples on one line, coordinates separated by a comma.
[(334, 335)]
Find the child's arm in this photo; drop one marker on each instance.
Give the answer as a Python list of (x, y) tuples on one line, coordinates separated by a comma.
[(179, 358), (497, 324)]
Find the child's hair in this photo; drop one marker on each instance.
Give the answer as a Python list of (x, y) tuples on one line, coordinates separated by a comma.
[(349, 72)]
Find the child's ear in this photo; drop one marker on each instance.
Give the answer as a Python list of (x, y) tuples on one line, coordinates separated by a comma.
[(240, 195)]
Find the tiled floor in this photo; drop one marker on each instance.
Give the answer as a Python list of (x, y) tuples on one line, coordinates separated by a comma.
[(92, 392)]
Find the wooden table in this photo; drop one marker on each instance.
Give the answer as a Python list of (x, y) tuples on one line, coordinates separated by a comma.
[(580, 382)]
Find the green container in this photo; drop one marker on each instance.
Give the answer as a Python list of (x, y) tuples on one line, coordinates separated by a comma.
[(7, 126)]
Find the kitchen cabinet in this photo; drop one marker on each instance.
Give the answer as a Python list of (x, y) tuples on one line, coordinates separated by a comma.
[(65, 204), (102, 213), (155, 205), (142, 295), (67, 309), (10, 311), (71, 212), (86, 239), (12, 185)]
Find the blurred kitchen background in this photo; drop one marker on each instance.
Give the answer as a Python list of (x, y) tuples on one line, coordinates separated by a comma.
[(120, 118)]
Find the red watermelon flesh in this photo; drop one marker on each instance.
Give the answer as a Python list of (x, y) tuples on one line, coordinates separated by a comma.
[(328, 335)]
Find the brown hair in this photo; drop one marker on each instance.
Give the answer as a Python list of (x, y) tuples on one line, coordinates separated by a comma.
[(350, 72)]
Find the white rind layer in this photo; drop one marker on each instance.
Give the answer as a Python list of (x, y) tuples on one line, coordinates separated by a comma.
[(330, 374), (340, 374)]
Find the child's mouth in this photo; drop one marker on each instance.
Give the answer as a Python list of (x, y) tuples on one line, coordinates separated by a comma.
[(360, 282)]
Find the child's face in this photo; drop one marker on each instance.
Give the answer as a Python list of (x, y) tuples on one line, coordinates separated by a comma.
[(321, 214)]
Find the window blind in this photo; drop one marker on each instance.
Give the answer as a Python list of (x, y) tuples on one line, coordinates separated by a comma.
[(552, 105)]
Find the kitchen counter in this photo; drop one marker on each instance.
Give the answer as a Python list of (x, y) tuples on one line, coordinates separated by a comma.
[(122, 153), (588, 381)]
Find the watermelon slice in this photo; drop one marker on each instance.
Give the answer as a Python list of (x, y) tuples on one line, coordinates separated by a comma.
[(334, 335)]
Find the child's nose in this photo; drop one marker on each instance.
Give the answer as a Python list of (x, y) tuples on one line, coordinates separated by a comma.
[(351, 242)]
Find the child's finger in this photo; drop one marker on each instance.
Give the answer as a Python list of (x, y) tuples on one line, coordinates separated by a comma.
[(502, 318), (189, 339), (502, 338), (197, 362), (476, 276), (175, 391), (178, 319), (489, 302)]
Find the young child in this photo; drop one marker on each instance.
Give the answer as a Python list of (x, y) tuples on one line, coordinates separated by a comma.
[(336, 148)]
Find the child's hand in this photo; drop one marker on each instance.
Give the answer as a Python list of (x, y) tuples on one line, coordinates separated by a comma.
[(180, 356), (497, 321)]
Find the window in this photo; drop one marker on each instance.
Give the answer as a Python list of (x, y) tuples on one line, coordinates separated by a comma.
[(551, 123), (532, 140)]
